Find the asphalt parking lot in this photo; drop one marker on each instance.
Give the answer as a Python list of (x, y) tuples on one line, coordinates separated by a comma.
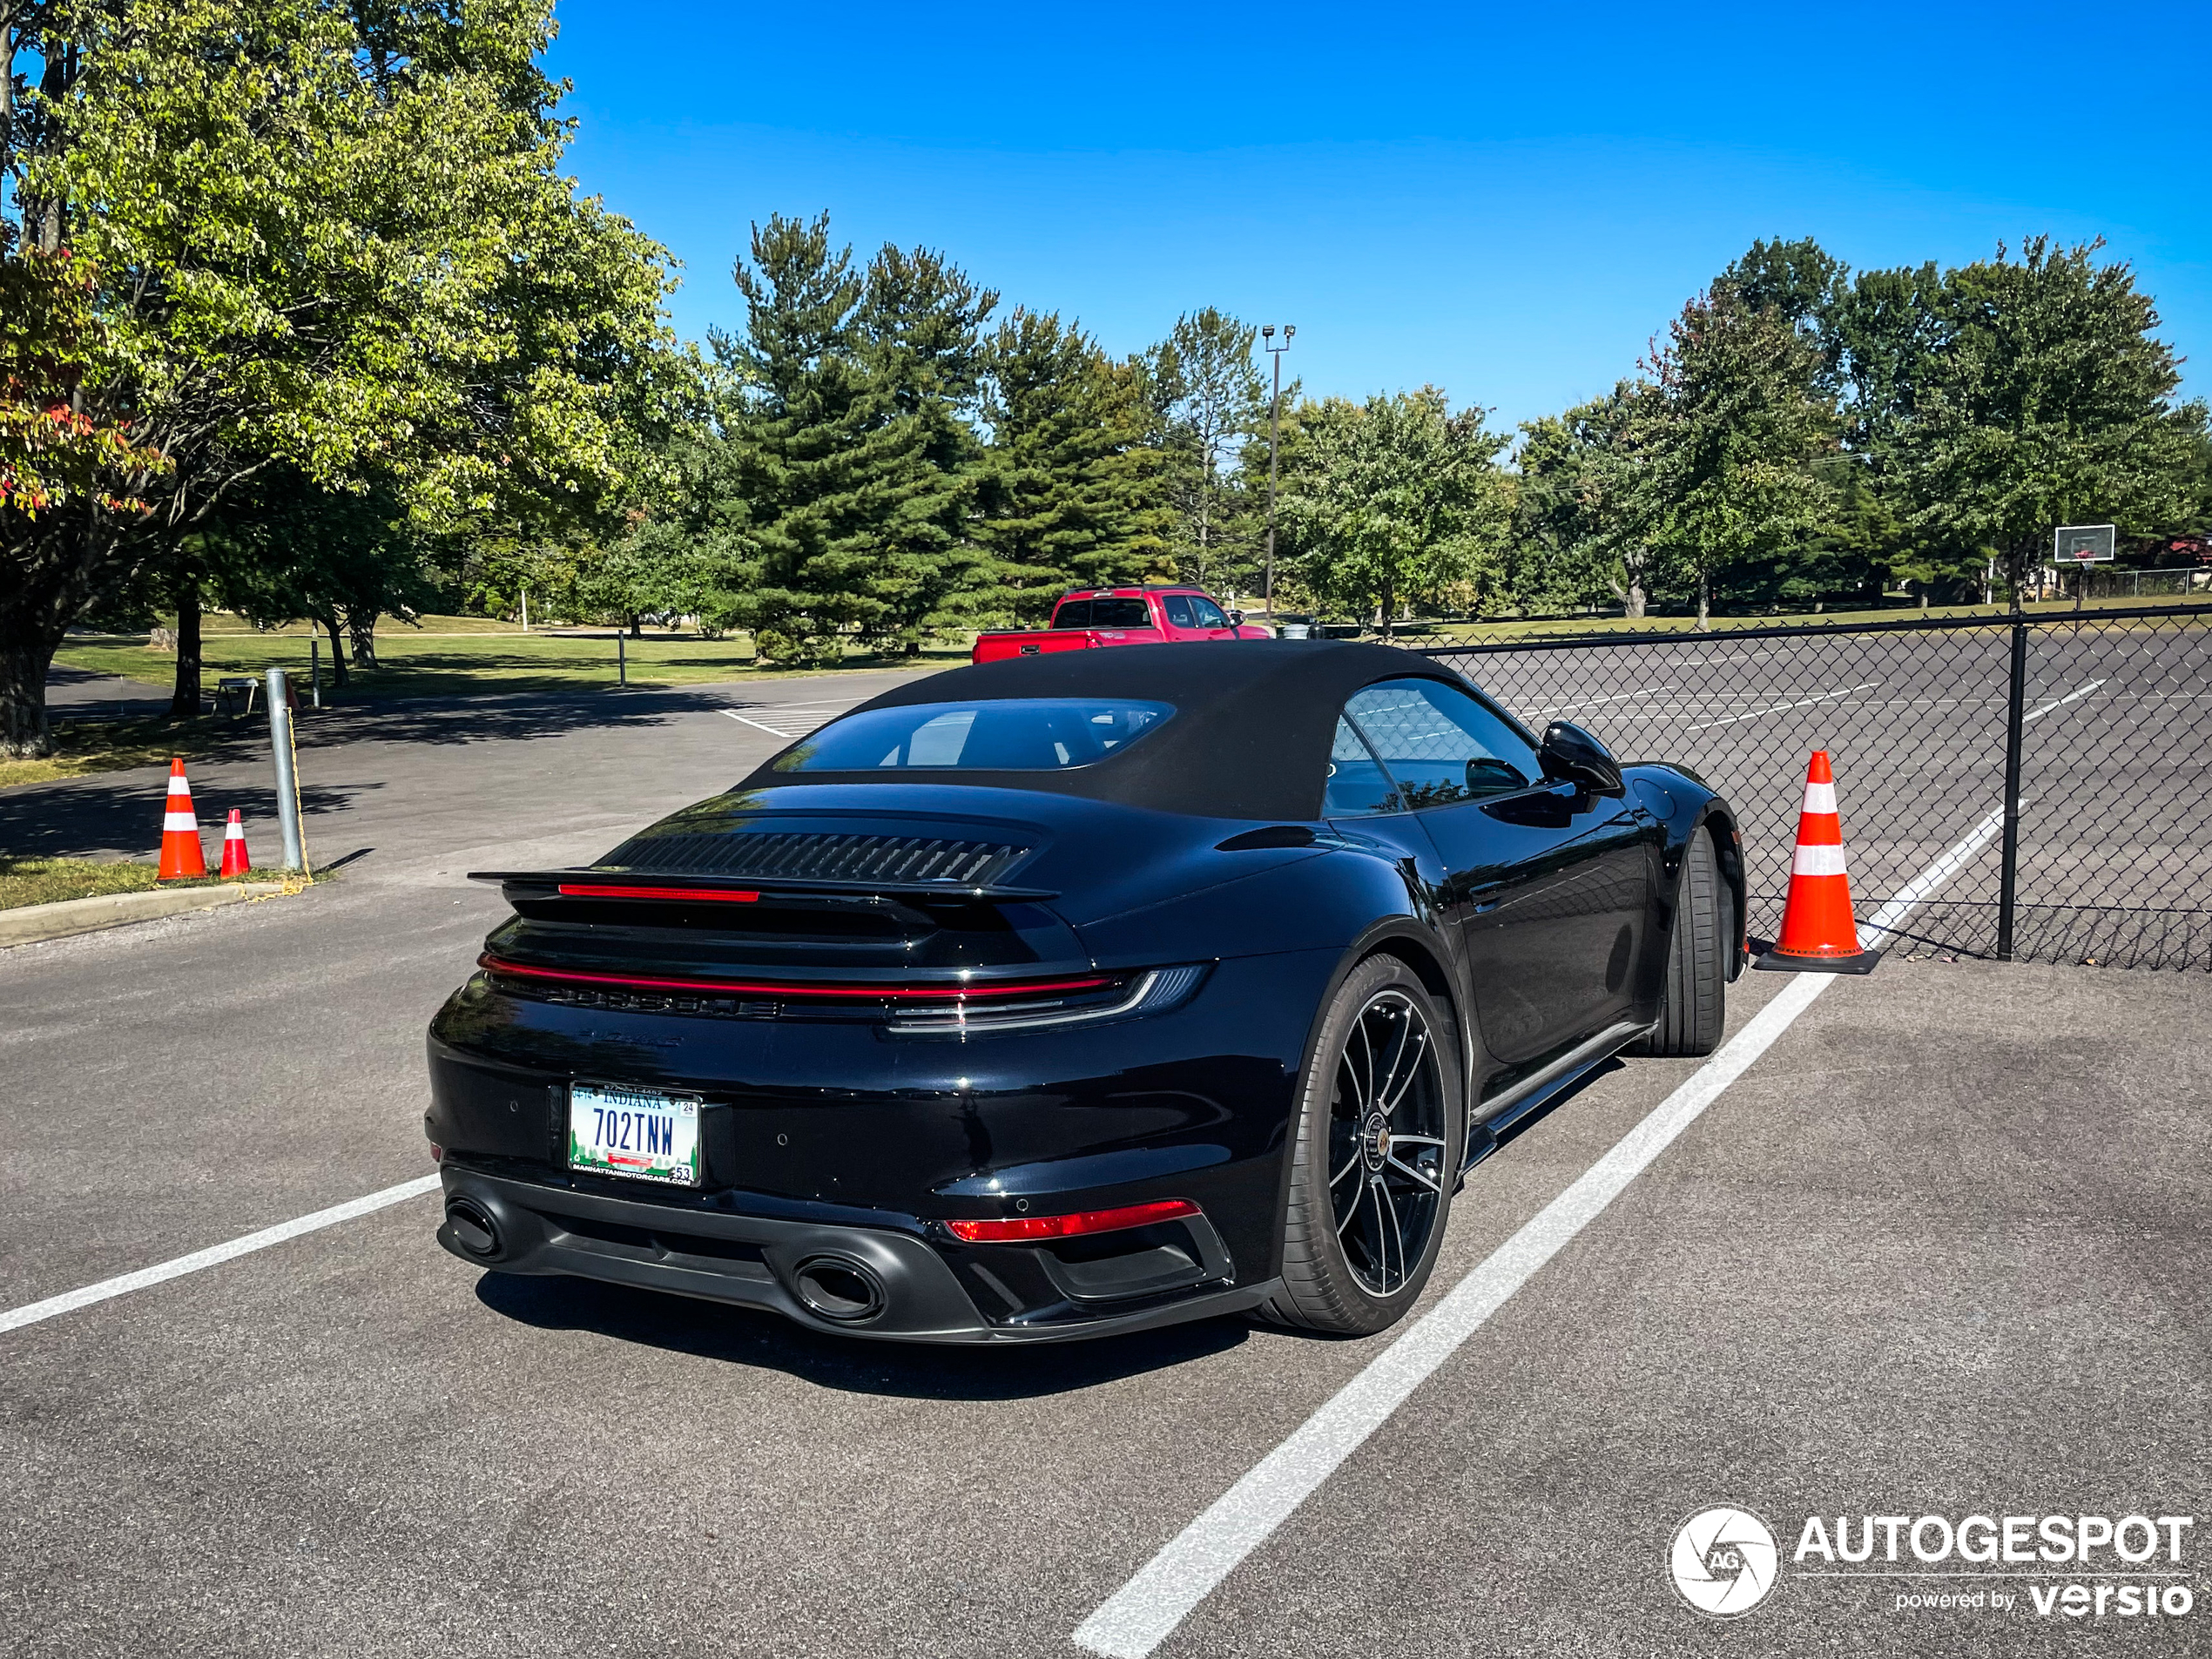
[(1941, 1249)]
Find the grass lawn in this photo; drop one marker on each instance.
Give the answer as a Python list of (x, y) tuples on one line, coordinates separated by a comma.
[(1480, 632), (108, 745), (25, 881), (461, 656)]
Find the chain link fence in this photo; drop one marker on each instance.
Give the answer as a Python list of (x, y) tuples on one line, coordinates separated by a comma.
[(2104, 716)]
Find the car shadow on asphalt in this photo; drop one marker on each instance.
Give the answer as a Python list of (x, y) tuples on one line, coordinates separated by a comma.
[(740, 1336)]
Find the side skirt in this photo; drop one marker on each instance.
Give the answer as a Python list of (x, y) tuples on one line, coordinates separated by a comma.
[(1503, 1110)]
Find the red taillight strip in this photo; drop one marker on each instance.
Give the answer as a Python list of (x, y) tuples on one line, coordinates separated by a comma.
[(720, 895), (1023, 1229), (750, 987)]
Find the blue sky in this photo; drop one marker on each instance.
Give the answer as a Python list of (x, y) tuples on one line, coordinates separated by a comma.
[(1505, 201)]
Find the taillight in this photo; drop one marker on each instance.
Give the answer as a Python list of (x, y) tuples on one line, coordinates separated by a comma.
[(1154, 991), (1021, 1229), (718, 895), (957, 991)]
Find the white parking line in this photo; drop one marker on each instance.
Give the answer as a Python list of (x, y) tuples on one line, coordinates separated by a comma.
[(69, 1301), (1140, 1615), (1803, 702), (1591, 703), (2060, 702), (804, 716)]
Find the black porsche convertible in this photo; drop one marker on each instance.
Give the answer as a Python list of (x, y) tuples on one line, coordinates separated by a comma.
[(1073, 994)]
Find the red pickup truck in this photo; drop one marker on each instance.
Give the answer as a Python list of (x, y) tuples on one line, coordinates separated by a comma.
[(1095, 616)]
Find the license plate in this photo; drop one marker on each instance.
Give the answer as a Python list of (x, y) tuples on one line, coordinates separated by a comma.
[(639, 1133)]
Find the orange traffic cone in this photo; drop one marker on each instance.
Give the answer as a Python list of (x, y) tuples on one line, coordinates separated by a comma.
[(236, 861), (181, 858), (1819, 933)]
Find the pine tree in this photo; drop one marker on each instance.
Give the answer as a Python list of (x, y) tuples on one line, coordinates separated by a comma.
[(847, 470), (1076, 495), (921, 341)]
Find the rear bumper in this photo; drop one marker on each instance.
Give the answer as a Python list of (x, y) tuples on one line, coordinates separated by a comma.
[(888, 1282)]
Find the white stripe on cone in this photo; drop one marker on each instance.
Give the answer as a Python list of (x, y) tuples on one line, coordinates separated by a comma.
[(179, 785), (1821, 798), (185, 821), (1818, 860)]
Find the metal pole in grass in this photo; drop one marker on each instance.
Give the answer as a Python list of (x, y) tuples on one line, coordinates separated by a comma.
[(621, 658), (314, 668), (287, 772)]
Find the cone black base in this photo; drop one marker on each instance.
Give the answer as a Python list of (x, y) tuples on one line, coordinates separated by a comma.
[(1776, 962)]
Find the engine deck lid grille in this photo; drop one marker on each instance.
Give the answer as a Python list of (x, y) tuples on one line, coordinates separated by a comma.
[(806, 855)]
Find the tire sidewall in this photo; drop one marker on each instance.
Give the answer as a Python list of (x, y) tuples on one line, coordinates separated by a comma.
[(1368, 1312)]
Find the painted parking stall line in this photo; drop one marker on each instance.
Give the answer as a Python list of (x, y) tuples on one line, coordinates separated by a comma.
[(1145, 1611), (1780, 708), (789, 722), (215, 1255)]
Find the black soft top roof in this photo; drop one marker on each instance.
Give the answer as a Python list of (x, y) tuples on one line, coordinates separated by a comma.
[(1251, 737)]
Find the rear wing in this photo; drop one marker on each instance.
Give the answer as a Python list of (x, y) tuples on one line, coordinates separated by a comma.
[(648, 886)]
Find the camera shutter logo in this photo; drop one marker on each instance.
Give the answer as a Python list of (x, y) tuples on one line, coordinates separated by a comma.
[(1723, 1562)]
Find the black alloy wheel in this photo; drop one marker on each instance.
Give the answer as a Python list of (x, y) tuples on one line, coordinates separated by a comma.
[(1376, 1157)]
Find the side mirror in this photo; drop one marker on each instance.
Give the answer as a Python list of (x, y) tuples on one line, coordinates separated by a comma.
[(1571, 755), (1236, 619)]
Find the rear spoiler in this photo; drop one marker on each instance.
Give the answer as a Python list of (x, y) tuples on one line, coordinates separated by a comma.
[(674, 887)]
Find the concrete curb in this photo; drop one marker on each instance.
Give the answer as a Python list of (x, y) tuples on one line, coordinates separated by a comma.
[(31, 923)]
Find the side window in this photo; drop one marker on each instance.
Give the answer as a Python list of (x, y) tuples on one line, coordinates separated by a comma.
[(1442, 744), (1178, 608), (1358, 787), (1120, 613), (1208, 613), (1076, 613)]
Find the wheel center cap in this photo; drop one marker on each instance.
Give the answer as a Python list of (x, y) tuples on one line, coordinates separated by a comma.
[(1374, 1140)]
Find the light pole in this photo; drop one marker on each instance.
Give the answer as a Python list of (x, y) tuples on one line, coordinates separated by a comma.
[(1274, 437)]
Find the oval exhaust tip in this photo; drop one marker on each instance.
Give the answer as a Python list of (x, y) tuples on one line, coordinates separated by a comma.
[(839, 1288), (473, 1228)]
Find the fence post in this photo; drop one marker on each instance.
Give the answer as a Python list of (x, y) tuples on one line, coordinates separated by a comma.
[(2008, 879)]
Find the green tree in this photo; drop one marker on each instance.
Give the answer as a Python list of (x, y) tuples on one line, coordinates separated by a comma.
[(1075, 495), (1802, 283), (847, 471), (1212, 403), (284, 549), (2018, 394), (1728, 441), (1565, 551), (1395, 502), (329, 238)]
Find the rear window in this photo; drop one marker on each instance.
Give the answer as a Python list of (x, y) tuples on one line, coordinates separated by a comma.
[(1021, 734), (1103, 613)]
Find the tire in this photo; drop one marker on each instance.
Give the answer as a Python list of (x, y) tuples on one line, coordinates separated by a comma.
[(1693, 1006), (1358, 1250)]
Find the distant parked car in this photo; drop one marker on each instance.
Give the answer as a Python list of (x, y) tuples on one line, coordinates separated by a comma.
[(1095, 616)]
